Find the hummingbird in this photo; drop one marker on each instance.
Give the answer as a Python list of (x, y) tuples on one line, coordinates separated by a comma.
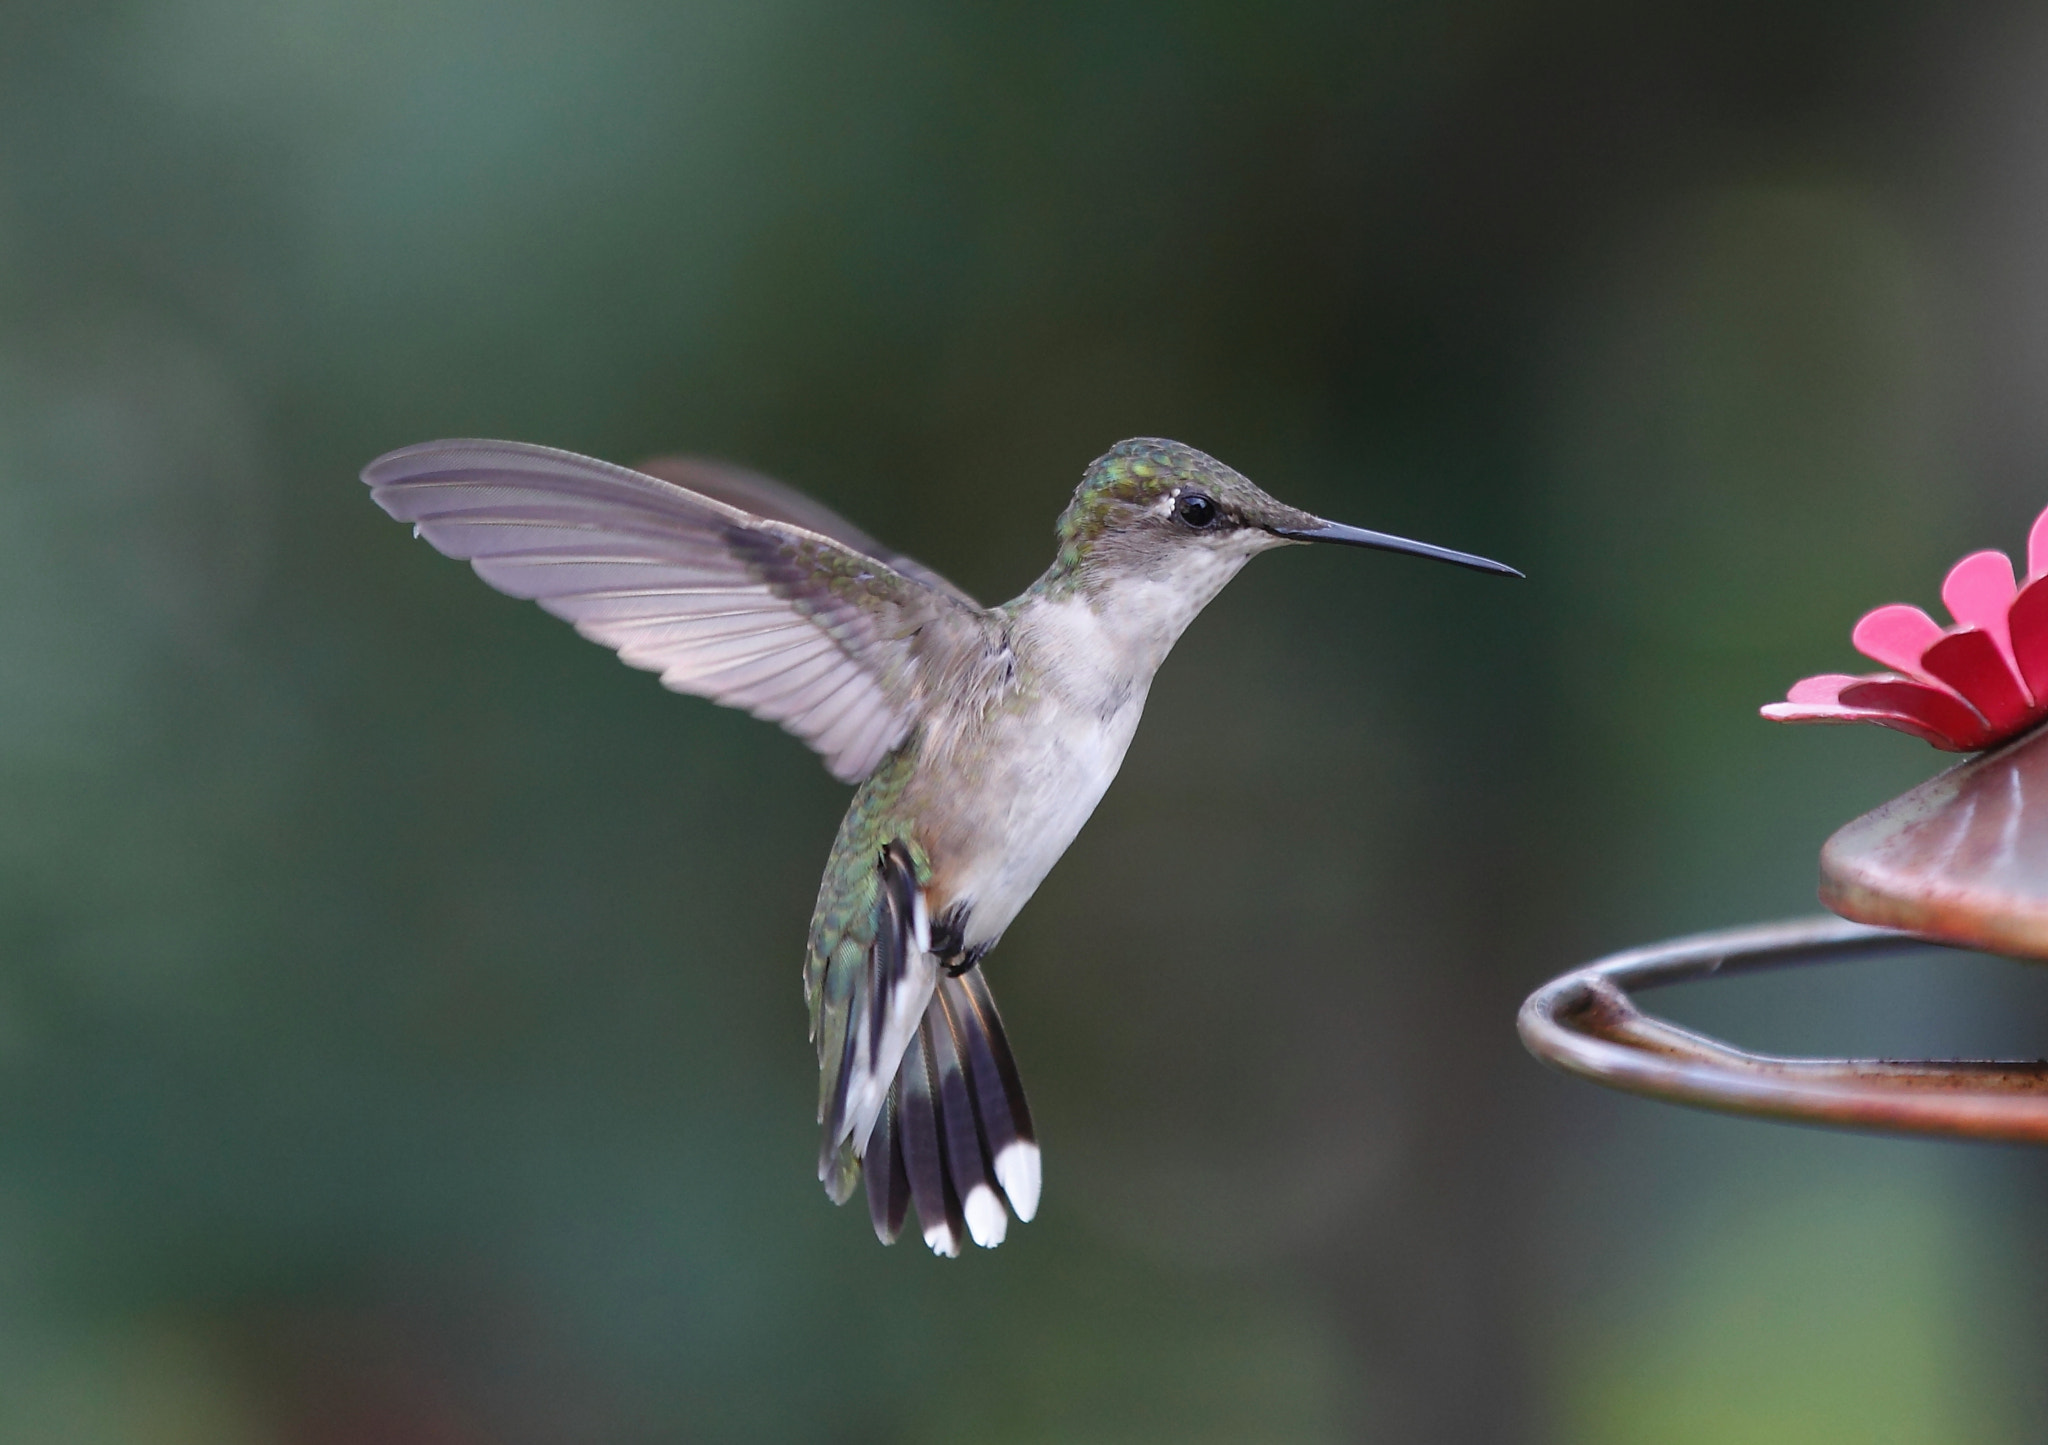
[(980, 738)]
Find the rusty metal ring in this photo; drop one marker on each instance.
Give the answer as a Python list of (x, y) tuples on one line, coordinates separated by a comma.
[(1585, 1023)]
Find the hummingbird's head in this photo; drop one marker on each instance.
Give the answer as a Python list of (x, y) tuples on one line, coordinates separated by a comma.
[(1162, 511)]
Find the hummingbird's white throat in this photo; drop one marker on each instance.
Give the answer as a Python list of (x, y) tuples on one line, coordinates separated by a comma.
[(1121, 626)]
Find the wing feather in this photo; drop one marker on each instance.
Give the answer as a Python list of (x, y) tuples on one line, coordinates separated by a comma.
[(794, 615), (745, 672), (778, 501), (840, 719), (626, 606), (739, 665)]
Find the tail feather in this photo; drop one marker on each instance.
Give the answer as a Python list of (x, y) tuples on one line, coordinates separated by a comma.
[(938, 1208), (918, 1092), (888, 1182), (967, 1164), (1005, 1117), (872, 1009), (955, 1138)]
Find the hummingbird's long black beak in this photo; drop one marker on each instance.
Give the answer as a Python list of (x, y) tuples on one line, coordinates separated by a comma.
[(1360, 537)]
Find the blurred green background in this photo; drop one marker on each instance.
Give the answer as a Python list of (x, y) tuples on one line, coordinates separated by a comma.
[(400, 1034)]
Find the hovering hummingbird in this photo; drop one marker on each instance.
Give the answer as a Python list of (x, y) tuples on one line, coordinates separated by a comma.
[(981, 737)]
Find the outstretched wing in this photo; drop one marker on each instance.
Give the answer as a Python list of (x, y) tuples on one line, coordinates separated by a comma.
[(754, 612)]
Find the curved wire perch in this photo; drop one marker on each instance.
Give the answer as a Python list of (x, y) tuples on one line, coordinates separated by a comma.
[(1585, 1023)]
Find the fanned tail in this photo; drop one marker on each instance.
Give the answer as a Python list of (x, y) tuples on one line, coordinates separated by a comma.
[(956, 1138), (918, 1092)]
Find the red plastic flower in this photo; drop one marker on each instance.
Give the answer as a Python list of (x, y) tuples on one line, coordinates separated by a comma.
[(1962, 687)]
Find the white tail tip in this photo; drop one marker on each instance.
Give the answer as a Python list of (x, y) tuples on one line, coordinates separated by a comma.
[(940, 1238), (987, 1220), (1017, 1171)]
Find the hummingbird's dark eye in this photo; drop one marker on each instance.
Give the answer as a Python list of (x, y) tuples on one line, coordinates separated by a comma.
[(1195, 509)]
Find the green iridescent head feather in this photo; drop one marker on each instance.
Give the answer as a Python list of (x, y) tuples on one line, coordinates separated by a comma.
[(1137, 473), (1116, 516)]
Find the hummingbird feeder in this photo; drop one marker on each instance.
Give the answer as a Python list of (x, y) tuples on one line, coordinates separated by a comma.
[(1960, 861)]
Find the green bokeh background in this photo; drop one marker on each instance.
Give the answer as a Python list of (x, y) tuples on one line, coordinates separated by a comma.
[(400, 1035)]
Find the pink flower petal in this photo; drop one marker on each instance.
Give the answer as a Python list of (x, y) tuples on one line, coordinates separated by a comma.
[(1962, 687), (2029, 622), (1822, 691), (1813, 712), (2037, 547), (1896, 635), (1936, 709), (1978, 591), (1786, 712), (1969, 660)]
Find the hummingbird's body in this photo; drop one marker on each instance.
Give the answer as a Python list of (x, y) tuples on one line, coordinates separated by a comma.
[(1003, 777), (981, 738)]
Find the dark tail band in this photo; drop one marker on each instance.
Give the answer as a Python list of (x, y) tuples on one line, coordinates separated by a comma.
[(956, 1138)]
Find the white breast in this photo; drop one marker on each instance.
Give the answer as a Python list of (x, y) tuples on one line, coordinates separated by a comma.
[(1043, 762), (1048, 768)]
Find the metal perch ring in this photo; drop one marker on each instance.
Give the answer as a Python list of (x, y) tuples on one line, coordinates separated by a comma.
[(1586, 1024), (1960, 861)]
